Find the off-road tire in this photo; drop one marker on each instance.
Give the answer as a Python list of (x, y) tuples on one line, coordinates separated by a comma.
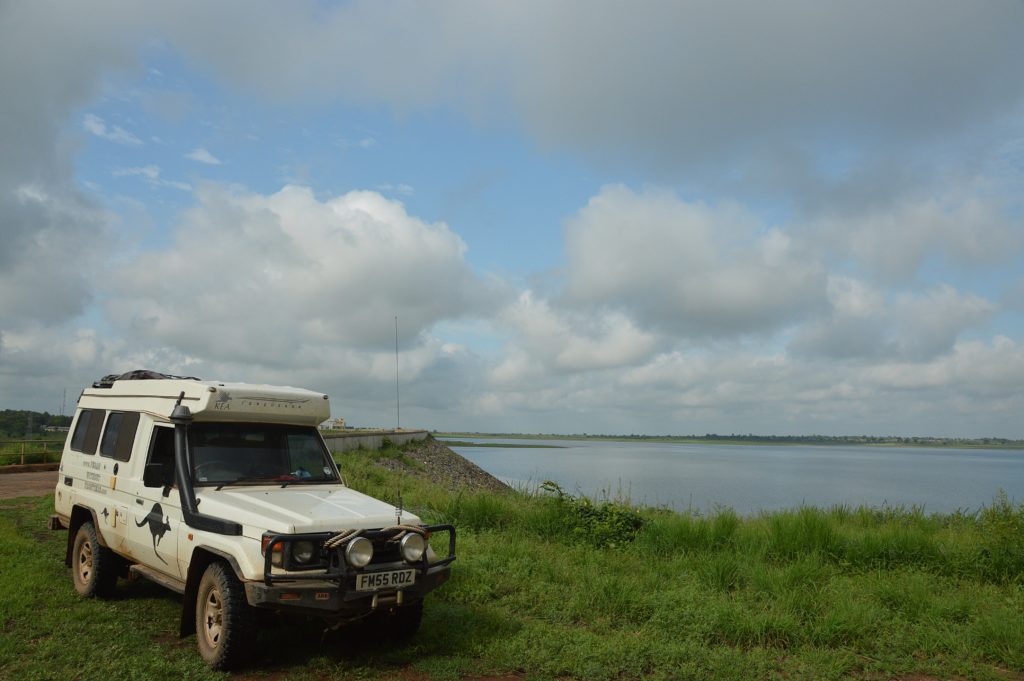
[(399, 623), (93, 566), (225, 623)]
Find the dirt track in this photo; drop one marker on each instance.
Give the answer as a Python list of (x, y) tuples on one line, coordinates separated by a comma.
[(27, 484)]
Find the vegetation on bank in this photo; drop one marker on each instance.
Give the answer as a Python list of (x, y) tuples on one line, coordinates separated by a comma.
[(734, 439), (550, 585), (19, 423), (24, 437), (504, 445)]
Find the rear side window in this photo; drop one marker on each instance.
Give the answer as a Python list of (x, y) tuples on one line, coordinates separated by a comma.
[(87, 432), (119, 435)]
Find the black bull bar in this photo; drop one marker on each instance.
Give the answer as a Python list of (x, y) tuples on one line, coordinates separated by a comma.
[(333, 567)]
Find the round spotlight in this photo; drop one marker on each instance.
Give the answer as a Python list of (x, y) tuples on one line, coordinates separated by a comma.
[(359, 552), (413, 545)]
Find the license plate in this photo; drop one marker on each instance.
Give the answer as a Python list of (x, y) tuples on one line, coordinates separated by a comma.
[(396, 579)]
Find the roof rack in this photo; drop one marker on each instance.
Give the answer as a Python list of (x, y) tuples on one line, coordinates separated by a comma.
[(138, 375)]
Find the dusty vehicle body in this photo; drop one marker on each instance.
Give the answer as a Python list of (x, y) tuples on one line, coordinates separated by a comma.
[(226, 493)]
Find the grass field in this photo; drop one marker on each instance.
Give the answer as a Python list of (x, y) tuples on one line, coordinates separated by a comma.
[(552, 586)]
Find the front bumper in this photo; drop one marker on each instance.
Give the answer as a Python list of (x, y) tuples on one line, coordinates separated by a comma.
[(331, 598), (331, 591)]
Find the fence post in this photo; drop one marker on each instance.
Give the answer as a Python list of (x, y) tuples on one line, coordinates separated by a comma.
[(44, 451), (22, 452)]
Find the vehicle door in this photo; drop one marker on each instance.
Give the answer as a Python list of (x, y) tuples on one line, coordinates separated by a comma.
[(156, 509)]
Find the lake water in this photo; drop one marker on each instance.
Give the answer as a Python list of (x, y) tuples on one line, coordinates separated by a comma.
[(750, 478)]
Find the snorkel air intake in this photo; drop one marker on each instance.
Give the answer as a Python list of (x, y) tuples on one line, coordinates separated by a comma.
[(181, 417)]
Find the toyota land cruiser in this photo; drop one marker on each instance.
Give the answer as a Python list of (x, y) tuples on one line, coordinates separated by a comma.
[(227, 494)]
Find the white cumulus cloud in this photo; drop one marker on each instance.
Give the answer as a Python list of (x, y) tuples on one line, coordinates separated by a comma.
[(114, 133), (892, 244), (152, 175), (867, 323), (201, 155), (692, 268), (549, 340), (273, 279)]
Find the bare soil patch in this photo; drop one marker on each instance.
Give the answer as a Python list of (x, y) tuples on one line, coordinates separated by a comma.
[(27, 484)]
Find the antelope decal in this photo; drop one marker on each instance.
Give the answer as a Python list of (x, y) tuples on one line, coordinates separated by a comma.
[(158, 526)]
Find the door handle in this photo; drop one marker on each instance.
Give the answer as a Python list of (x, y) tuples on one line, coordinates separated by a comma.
[(138, 501)]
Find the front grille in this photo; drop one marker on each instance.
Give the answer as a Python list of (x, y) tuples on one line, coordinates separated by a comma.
[(385, 552)]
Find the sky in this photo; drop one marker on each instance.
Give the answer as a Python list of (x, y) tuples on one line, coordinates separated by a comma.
[(588, 217)]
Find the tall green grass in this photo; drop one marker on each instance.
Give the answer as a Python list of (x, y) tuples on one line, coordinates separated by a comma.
[(549, 585)]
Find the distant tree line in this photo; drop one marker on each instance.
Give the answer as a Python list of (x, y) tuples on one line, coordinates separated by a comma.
[(14, 423), (749, 438), (863, 439)]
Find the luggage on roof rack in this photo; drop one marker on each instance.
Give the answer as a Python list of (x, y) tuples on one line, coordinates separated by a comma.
[(138, 375)]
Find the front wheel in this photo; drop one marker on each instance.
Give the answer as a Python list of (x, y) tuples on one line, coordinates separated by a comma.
[(93, 566), (224, 621)]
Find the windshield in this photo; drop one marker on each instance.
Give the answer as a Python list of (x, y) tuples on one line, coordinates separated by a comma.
[(224, 453)]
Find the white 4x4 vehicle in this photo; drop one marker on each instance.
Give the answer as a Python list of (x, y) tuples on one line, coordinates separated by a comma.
[(226, 493)]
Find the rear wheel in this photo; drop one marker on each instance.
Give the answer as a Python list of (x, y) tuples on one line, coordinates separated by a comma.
[(225, 626), (93, 566)]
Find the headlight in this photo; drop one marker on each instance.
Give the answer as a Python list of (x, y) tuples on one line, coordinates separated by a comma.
[(303, 551), (359, 552), (413, 546)]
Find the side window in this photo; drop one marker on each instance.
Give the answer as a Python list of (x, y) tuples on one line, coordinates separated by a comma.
[(87, 431), (160, 464), (119, 435)]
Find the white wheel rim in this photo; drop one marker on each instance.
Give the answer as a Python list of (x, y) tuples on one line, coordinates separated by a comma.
[(213, 618), (85, 561)]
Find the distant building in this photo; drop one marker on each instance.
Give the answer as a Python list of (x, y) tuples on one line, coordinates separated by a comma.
[(57, 429), (333, 424)]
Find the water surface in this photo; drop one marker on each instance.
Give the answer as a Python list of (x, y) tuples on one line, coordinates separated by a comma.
[(750, 478)]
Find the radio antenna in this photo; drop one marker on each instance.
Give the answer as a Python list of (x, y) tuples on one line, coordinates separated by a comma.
[(398, 401)]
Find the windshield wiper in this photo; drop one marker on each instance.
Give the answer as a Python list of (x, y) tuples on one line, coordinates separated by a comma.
[(285, 480), (222, 485), (247, 480), (303, 481)]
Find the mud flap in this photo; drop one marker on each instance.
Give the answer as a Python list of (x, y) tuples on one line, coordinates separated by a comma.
[(187, 625)]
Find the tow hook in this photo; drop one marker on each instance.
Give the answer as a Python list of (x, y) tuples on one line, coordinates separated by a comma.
[(387, 600)]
